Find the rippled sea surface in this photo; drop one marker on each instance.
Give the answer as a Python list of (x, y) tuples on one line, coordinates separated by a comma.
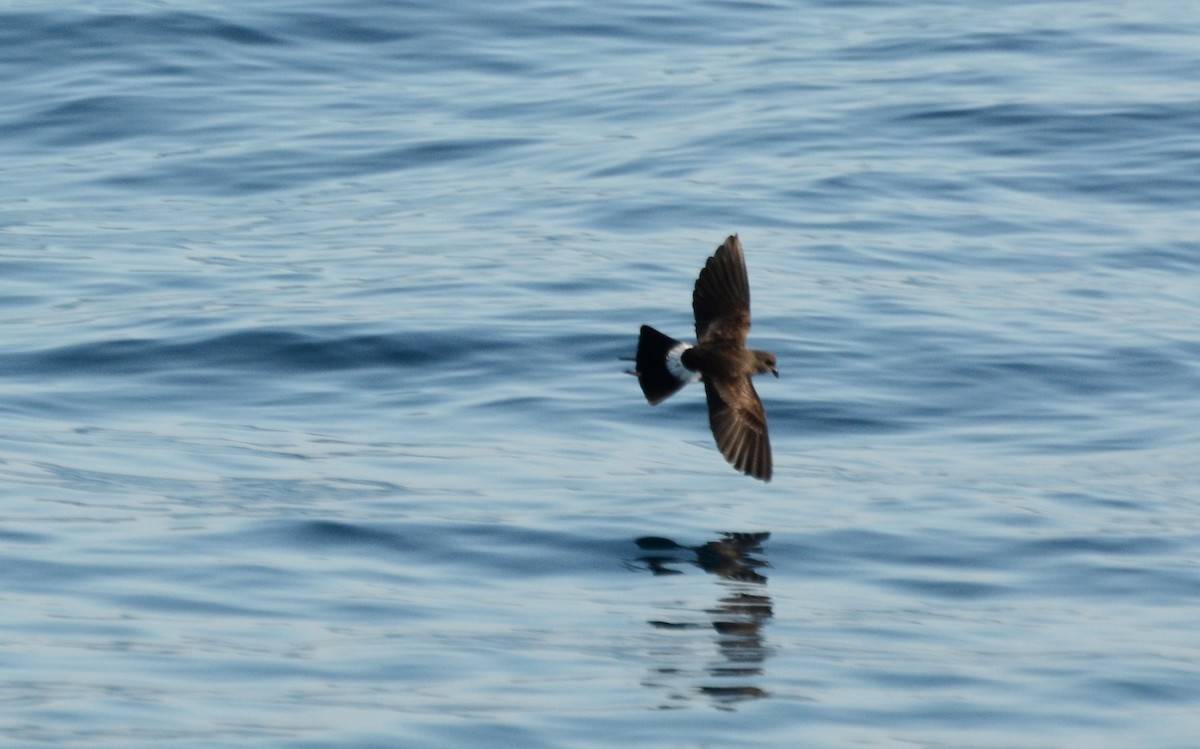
[(313, 424)]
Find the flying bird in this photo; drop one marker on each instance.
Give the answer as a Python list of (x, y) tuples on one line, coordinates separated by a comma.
[(719, 359)]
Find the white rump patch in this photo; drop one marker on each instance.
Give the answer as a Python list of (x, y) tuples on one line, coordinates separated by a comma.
[(675, 364)]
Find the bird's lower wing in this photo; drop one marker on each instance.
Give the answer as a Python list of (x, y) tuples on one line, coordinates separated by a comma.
[(739, 424)]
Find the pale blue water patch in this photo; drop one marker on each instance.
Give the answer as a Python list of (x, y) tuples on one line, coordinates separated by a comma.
[(314, 425)]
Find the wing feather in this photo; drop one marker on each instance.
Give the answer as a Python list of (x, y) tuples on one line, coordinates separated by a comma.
[(721, 298), (739, 425)]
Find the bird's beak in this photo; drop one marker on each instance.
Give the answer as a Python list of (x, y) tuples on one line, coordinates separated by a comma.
[(775, 372)]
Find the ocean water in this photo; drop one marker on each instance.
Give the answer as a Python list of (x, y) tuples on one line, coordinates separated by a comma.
[(315, 431)]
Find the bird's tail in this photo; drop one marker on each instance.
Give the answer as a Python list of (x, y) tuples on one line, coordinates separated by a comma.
[(659, 369)]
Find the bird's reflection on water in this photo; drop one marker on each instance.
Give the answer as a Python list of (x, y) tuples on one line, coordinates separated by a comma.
[(736, 620)]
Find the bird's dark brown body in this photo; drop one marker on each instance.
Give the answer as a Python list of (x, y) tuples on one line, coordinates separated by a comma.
[(721, 358)]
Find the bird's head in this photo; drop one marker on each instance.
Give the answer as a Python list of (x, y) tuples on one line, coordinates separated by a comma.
[(764, 361)]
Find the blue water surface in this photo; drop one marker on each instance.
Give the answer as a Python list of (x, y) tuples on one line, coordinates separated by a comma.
[(315, 431)]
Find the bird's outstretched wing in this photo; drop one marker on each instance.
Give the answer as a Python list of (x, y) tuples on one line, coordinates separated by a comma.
[(721, 299), (739, 424)]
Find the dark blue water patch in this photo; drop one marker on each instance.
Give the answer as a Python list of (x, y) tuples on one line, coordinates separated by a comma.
[(57, 38), (659, 211), (297, 370), (289, 373), (20, 537), (479, 731), (187, 606), (1074, 128), (37, 575), (934, 376), (136, 75), (402, 21), (1035, 42), (469, 548), (930, 551), (963, 714), (1023, 129), (927, 680), (96, 119), (1166, 370), (1176, 257), (437, 152), (327, 534), (629, 25), (1089, 501), (1165, 686), (1102, 546), (537, 552), (815, 419), (1162, 584), (245, 172), (168, 28), (1114, 184), (268, 350), (176, 30), (948, 589)]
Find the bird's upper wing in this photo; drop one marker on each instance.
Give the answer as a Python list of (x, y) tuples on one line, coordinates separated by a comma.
[(721, 299), (739, 424)]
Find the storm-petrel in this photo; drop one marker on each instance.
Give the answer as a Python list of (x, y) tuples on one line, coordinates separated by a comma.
[(721, 305)]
